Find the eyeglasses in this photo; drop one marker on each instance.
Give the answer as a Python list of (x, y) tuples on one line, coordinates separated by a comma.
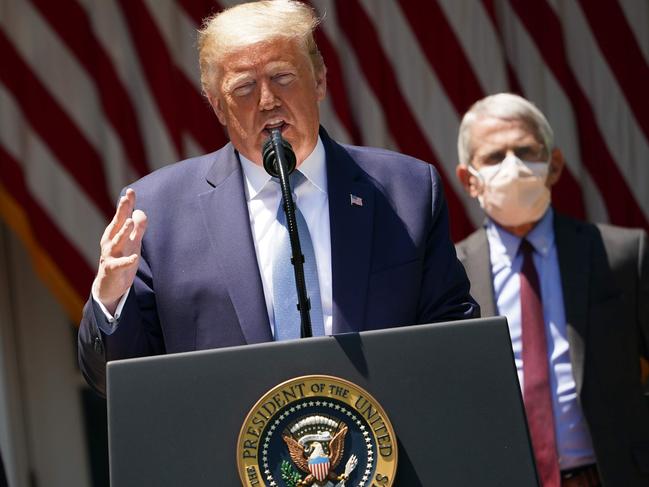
[(530, 153)]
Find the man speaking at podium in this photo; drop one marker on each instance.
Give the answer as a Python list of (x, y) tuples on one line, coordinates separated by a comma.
[(198, 260)]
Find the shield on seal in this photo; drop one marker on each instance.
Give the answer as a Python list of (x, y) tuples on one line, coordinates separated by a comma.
[(319, 467)]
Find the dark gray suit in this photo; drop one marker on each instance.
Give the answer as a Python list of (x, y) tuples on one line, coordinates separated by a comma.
[(605, 281), (3, 478)]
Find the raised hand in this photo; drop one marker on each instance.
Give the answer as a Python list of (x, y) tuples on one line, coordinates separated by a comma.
[(120, 252)]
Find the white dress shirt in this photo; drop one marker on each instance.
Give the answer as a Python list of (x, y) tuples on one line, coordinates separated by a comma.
[(574, 444), (263, 197)]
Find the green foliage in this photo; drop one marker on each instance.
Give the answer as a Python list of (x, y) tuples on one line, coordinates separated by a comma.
[(289, 474)]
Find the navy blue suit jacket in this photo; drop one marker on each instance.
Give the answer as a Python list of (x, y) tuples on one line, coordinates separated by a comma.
[(198, 285)]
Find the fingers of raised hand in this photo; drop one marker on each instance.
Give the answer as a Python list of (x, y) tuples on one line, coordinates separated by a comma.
[(123, 236), (140, 223), (128, 238), (112, 264), (124, 209)]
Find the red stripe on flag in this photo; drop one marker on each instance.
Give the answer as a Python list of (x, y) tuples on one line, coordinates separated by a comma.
[(199, 9), (198, 118), (451, 65), (380, 76), (54, 126), (336, 86), (158, 66), (620, 47), (544, 27), (490, 8), (68, 259), (169, 85), (512, 79), (72, 24), (567, 197)]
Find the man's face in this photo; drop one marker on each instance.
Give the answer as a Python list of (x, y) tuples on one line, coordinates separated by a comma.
[(492, 139), (267, 85)]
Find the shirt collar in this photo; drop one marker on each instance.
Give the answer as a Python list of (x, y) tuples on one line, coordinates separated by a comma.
[(314, 169), (506, 244)]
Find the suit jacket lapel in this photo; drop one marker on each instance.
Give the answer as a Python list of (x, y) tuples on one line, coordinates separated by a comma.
[(225, 213), (573, 250), (351, 236), (477, 263)]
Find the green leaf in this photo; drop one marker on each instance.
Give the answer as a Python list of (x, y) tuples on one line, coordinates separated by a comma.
[(289, 474)]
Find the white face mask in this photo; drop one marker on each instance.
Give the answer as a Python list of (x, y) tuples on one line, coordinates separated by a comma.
[(513, 192)]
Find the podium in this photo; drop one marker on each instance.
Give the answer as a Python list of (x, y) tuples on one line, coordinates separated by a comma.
[(450, 391)]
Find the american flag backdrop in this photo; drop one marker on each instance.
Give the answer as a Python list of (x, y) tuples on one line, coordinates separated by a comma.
[(96, 93)]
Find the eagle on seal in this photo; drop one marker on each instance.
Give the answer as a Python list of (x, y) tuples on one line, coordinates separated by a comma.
[(313, 460)]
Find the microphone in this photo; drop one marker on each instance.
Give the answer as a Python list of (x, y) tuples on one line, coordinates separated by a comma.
[(277, 147), (279, 162)]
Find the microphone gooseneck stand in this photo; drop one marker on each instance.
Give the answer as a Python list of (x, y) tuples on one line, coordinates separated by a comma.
[(279, 162)]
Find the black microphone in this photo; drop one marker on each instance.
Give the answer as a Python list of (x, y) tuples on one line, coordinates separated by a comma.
[(276, 144), (279, 162)]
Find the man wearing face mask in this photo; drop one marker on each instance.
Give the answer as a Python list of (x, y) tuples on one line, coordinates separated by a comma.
[(576, 297)]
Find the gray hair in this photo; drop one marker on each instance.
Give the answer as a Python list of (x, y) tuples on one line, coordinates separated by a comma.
[(252, 23), (504, 106)]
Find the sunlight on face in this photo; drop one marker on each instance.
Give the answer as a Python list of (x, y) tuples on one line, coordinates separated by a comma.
[(267, 85)]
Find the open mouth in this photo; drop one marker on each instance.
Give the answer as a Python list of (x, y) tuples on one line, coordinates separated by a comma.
[(275, 124)]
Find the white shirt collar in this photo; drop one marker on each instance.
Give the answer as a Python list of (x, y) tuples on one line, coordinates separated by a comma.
[(314, 169)]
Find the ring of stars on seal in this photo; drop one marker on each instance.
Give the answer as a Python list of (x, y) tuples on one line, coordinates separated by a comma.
[(320, 431)]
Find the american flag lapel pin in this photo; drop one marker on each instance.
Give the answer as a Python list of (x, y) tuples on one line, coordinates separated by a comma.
[(355, 200)]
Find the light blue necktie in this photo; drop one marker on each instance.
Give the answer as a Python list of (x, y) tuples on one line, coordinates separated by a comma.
[(287, 315)]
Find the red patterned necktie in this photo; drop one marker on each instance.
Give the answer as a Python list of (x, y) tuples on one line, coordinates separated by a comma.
[(536, 376)]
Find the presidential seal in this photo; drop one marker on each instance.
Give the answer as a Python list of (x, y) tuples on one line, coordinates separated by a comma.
[(319, 431)]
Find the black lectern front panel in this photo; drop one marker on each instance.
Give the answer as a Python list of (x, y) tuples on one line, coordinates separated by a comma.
[(449, 389)]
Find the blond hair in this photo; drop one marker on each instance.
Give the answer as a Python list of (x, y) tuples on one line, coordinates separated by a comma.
[(252, 23), (503, 106)]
